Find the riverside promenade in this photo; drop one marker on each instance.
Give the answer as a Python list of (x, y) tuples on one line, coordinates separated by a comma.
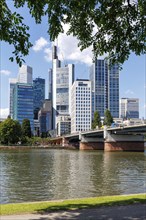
[(119, 212)]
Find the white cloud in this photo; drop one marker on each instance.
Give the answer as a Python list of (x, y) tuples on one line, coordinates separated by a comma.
[(129, 92), (4, 112), (40, 44), (68, 49), (48, 54), (5, 72)]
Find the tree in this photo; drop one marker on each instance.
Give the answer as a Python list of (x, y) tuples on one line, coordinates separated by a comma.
[(26, 128), (10, 131), (108, 119), (97, 120), (115, 27)]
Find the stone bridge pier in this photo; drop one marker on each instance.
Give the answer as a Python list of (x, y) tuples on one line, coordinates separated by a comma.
[(70, 144), (91, 143), (123, 142)]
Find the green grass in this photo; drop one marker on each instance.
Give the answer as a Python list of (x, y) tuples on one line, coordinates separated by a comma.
[(41, 207)]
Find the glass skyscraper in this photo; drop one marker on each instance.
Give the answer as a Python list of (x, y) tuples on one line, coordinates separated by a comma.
[(23, 103), (105, 87), (39, 95)]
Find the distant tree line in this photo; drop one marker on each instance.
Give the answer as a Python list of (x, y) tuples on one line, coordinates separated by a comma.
[(14, 133)]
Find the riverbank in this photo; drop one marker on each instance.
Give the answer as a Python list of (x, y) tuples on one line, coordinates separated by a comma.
[(74, 204), (11, 147), (25, 147)]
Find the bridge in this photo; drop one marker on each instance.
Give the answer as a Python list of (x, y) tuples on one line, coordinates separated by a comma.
[(125, 138)]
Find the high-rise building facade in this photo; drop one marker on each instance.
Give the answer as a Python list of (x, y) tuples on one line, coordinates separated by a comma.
[(50, 88), (45, 117), (23, 103), (81, 114), (39, 95), (129, 108), (62, 78), (12, 83), (105, 87), (25, 74)]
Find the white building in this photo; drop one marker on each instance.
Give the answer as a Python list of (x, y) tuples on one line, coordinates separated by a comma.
[(81, 114), (62, 80), (12, 82), (25, 74), (63, 124), (129, 108)]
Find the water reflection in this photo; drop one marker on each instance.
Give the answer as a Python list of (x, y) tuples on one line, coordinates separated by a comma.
[(33, 175)]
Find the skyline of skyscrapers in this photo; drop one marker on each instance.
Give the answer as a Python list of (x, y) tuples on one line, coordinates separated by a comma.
[(26, 95), (72, 103)]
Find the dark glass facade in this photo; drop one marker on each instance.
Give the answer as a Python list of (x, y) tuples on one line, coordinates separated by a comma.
[(39, 95), (105, 87), (113, 89), (23, 103), (45, 121)]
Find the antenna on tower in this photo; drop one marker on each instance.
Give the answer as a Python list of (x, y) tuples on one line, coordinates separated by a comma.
[(65, 62)]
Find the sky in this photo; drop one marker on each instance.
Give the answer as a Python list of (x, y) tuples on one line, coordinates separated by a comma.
[(132, 75)]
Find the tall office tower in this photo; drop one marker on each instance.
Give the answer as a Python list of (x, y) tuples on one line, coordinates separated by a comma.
[(45, 117), (81, 117), (129, 108), (50, 85), (63, 78), (25, 74), (105, 87), (12, 83), (39, 95), (23, 103)]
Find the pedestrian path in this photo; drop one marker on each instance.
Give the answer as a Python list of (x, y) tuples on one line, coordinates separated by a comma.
[(128, 212)]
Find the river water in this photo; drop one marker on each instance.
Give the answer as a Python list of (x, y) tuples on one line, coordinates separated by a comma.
[(48, 174)]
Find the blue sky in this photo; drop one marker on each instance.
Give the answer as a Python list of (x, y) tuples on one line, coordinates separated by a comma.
[(132, 76)]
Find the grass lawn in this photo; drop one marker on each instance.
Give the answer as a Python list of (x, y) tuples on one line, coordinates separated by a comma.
[(46, 206)]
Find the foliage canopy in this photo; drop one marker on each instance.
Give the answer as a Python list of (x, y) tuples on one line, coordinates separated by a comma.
[(26, 129), (108, 119), (96, 120), (113, 27), (10, 131)]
